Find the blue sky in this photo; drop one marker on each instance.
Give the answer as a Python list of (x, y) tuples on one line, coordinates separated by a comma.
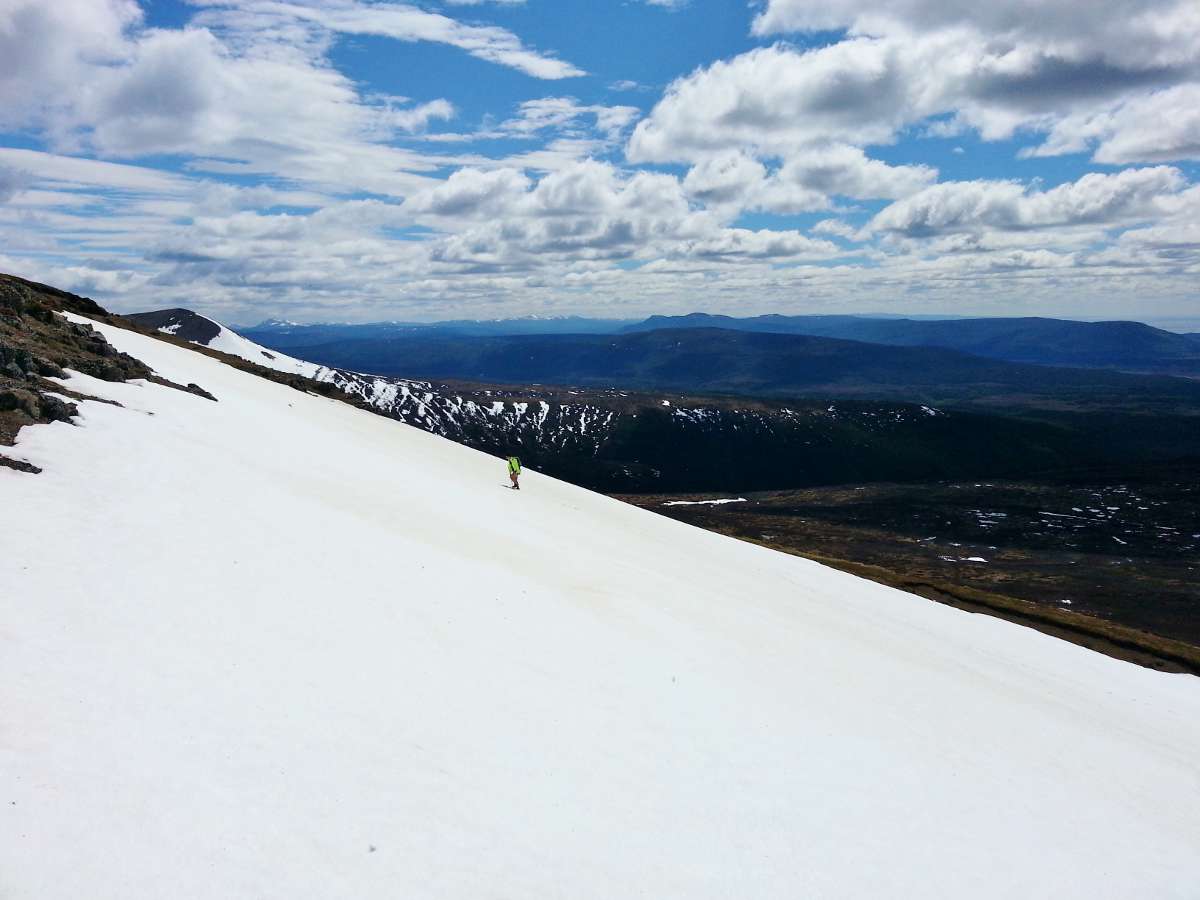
[(360, 160)]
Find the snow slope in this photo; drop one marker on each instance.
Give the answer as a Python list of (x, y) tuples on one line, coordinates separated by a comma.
[(234, 344), (277, 647)]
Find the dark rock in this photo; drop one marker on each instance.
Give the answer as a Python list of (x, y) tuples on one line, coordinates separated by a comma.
[(18, 398), (12, 370), (194, 388), (49, 369), (19, 464), (57, 410), (184, 324)]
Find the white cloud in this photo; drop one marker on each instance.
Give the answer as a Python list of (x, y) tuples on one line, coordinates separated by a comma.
[(1129, 34), (12, 182), (726, 178), (470, 193), (418, 118), (399, 21), (1184, 236), (1157, 127), (744, 244), (252, 101), (773, 101), (1118, 75), (49, 50), (844, 170), (565, 117), (74, 172), (1124, 197), (781, 102), (807, 181), (837, 228)]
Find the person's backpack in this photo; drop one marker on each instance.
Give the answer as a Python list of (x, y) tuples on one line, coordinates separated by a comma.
[(514, 465)]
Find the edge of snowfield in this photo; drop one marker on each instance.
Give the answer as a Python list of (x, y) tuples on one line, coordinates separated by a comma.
[(278, 647), (235, 345)]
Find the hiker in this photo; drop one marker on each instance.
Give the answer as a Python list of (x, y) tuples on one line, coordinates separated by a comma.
[(514, 472)]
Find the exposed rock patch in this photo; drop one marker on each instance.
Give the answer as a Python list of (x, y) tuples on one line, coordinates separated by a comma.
[(183, 323), (37, 344)]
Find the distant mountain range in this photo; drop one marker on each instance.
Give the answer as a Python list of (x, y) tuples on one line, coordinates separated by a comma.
[(291, 334), (1131, 346), (619, 440), (1124, 346), (760, 364)]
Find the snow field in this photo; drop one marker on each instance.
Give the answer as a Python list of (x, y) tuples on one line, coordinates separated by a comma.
[(277, 647)]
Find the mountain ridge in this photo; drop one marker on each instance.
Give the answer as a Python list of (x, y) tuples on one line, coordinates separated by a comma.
[(751, 363), (1120, 344)]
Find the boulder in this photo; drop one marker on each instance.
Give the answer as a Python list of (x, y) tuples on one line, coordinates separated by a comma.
[(49, 369), (57, 410)]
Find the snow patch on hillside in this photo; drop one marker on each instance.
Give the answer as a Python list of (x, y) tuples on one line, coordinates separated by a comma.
[(720, 502), (234, 344)]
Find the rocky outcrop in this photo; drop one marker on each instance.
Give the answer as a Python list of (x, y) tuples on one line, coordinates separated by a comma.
[(183, 323), (36, 344)]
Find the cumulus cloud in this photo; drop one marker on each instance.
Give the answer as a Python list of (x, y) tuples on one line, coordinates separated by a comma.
[(1128, 33), (247, 82), (742, 243), (1098, 79), (843, 170), (866, 90), (470, 193), (1158, 127), (47, 50), (1124, 197), (590, 210), (731, 177), (773, 100), (807, 181)]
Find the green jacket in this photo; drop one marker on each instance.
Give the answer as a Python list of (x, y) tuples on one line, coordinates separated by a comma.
[(514, 465)]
